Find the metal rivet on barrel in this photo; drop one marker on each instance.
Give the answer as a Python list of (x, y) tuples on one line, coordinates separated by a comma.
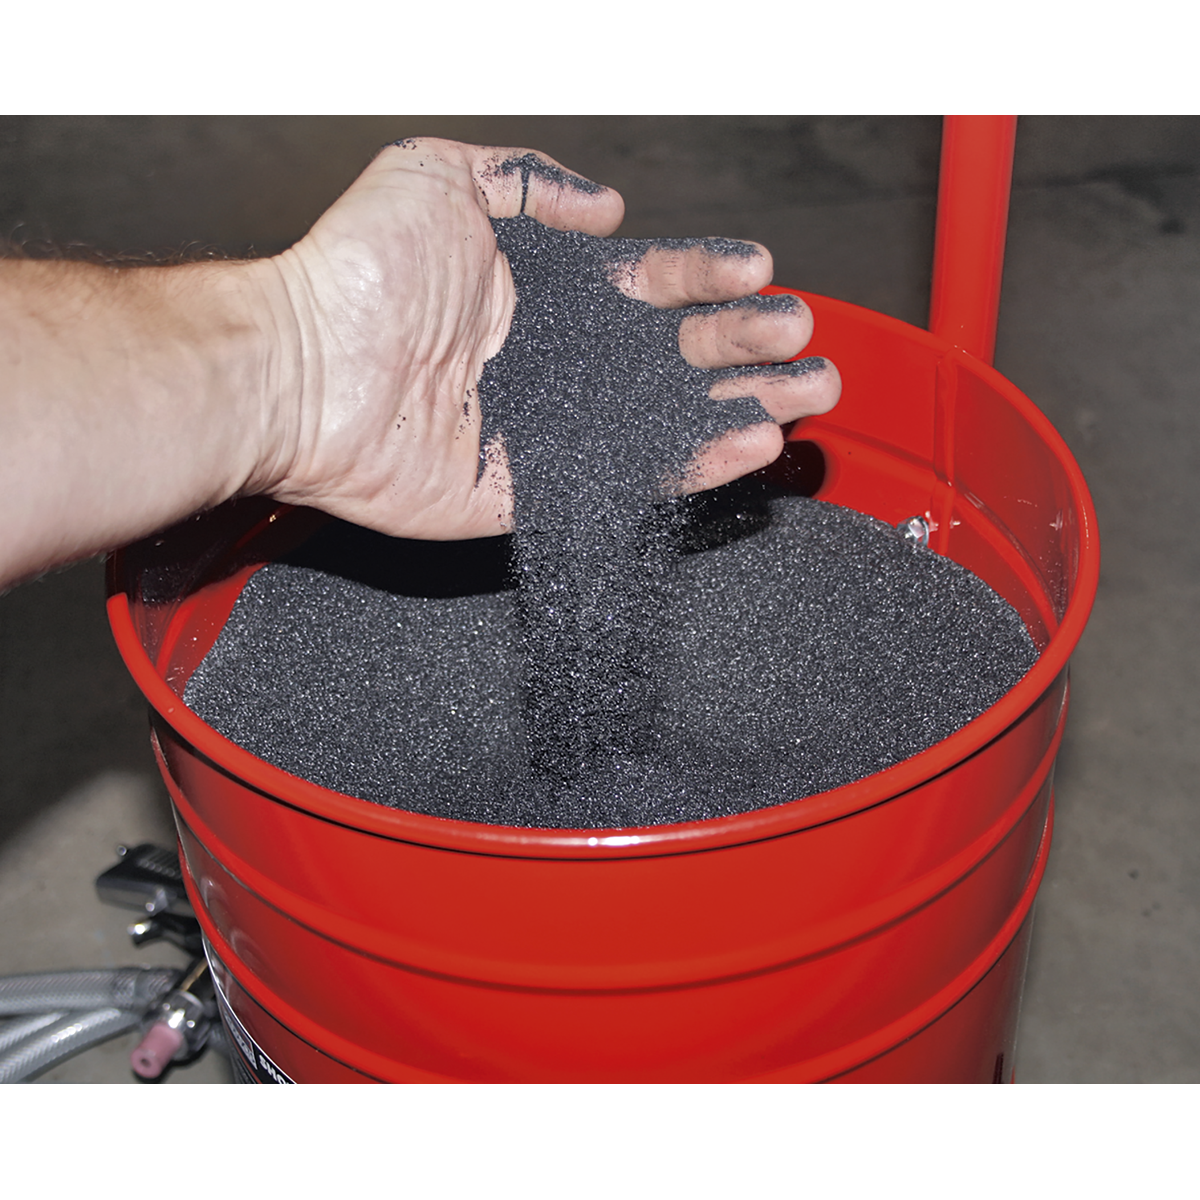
[(914, 530)]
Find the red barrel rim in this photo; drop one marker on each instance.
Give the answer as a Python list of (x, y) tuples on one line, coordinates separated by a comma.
[(685, 837)]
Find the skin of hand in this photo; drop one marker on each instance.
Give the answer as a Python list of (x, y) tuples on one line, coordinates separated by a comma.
[(401, 295), (340, 374)]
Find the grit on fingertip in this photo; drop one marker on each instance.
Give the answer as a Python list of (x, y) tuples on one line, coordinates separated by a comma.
[(790, 370)]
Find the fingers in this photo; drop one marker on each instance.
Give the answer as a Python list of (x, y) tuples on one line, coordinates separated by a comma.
[(753, 330), (675, 273), (738, 453), (524, 181), (788, 391)]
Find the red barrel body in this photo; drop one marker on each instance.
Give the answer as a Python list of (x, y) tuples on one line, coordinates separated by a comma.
[(877, 932)]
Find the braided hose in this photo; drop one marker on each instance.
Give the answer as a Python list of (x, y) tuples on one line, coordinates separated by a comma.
[(129, 988), (17, 1030), (68, 1035)]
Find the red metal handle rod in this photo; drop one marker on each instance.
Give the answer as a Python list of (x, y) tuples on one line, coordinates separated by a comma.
[(972, 219)]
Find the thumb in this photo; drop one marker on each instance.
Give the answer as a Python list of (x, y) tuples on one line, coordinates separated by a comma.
[(516, 181)]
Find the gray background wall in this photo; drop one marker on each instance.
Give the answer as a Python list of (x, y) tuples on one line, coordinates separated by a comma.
[(1100, 325)]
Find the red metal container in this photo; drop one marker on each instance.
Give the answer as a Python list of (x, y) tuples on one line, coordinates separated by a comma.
[(876, 932), (873, 933)]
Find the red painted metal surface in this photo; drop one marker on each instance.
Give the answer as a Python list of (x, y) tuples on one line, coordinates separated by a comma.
[(968, 260), (876, 932)]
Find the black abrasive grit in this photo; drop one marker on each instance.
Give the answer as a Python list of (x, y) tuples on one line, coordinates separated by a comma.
[(599, 416), (622, 659)]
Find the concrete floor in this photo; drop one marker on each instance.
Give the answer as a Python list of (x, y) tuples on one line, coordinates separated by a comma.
[(1100, 325)]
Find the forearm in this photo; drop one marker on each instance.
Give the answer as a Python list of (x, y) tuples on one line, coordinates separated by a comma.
[(342, 375), (129, 398)]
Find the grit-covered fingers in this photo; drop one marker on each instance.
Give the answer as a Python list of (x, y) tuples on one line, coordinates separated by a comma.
[(754, 329), (514, 181), (737, 453), (675, 273), (788, 391)]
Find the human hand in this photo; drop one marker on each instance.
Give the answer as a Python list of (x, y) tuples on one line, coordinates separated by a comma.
[(398, 297)]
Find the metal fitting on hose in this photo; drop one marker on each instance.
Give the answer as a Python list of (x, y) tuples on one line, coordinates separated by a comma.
[(179, 1025)]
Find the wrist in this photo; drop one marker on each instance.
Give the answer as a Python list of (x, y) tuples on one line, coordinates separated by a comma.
[(209, 351), (263, 308)]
